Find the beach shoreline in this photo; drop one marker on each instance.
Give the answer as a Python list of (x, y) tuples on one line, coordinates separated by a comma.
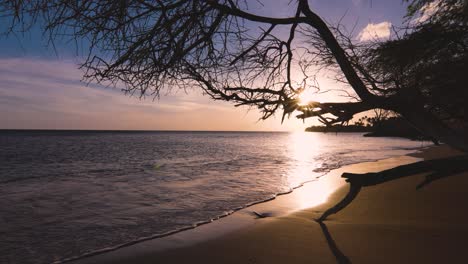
[(202, 243)]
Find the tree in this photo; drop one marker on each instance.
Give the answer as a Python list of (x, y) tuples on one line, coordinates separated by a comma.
[(235, 55), (428, 60)]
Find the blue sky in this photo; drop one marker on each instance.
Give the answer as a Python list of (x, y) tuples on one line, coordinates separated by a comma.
[(40, 87)]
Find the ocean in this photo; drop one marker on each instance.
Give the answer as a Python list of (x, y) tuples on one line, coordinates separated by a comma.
[(65, 194)]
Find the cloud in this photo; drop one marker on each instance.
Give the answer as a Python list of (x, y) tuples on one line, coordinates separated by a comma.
[(37, 93), (375, 31)]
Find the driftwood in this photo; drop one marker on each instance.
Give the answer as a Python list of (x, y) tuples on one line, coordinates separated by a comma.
[(438, 169)]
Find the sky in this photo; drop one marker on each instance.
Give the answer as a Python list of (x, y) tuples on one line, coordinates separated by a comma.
[(41, 87)]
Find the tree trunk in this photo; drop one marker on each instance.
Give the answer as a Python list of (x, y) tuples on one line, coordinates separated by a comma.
[(430, 126)]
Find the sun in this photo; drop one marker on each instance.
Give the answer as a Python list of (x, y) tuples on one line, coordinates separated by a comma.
[(305, 97)]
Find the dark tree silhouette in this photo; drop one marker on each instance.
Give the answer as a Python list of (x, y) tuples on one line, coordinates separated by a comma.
[(235, 55), (425, 64), (436, 169)]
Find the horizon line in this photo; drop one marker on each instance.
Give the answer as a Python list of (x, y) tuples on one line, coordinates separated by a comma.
[(134, 130)]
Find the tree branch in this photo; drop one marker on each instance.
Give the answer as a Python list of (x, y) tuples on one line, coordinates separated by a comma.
[(343, 111), (235, 11), (356, 83)]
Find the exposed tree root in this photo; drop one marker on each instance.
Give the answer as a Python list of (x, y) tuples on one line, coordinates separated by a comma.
[(438, 169)]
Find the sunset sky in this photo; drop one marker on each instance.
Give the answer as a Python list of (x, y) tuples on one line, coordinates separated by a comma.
[(41, 89)]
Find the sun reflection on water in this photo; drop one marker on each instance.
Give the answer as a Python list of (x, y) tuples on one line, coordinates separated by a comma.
[(304, 148)]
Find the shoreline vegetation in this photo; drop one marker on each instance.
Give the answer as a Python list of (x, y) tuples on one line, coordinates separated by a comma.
[(394, 222), (386, 127)]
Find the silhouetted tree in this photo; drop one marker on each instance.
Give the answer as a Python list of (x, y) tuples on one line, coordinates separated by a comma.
[(235, 55), (428, 62)]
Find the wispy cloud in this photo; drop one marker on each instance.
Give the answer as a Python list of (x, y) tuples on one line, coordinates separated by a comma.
[(37, 93), (375, 31)]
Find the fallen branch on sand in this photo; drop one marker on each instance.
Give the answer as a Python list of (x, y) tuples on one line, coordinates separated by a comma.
[(438, 169)]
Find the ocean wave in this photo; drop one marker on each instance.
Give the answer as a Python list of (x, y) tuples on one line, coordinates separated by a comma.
[(91, 193)]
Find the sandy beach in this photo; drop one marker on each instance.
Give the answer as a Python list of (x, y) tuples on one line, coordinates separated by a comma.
[(391, 222), (237, 132)]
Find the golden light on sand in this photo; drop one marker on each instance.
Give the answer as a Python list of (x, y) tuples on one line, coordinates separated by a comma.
[(314, 194)]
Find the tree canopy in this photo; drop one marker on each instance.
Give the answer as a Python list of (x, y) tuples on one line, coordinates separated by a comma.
[(235, 55), (429, 60)]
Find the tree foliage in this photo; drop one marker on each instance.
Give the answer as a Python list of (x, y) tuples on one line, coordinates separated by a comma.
[(429, 60)]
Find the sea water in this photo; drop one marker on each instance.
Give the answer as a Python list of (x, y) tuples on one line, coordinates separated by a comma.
[(65, 194)]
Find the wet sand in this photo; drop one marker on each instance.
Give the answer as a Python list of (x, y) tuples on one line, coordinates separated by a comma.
[(387, 223)]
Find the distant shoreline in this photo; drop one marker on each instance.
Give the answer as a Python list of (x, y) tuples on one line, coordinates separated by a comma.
[(389, 127), (369, 132)]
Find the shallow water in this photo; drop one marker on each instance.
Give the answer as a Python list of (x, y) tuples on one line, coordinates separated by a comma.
[(64, 194)]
